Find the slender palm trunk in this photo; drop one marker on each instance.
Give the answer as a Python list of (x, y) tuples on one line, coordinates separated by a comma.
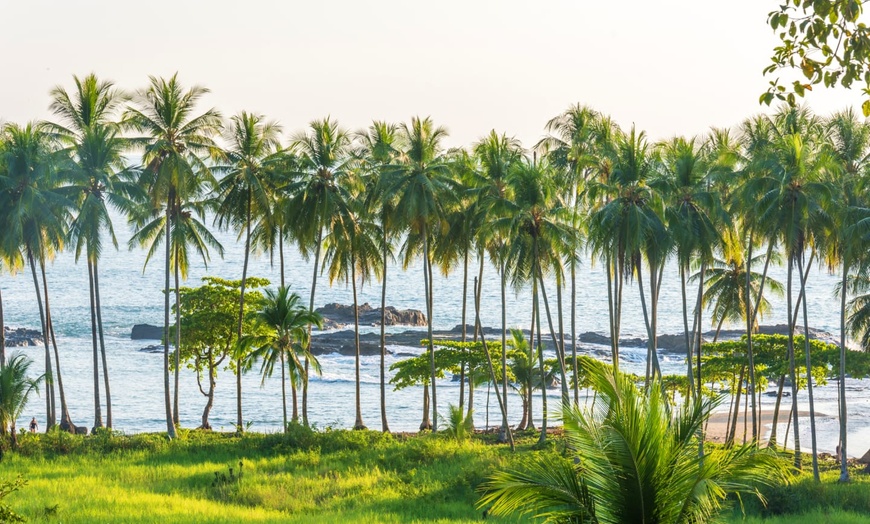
[(560, 348), (175, 393), (809, 373), (98, 414), (653, 370), (2, 334), (844, 464), (310, 310), (385, 427), (464, 334), (100, 333), (611, 310), (750, 322), (358, 424), (502, 402), (427, 268), (65, 420), (772, 441), (574, 329), (791, 367), (170, 424), (504, 421), (49, 376), (732, 431), (530, 421), (544, 409), (690, 368), (294, 387), (697, 337), (239, 360)]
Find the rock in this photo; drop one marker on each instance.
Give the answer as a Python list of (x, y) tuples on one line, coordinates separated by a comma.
[(22, 337), (80, 430), (146, 332), (339, 314), (865, 459), (154, 348)]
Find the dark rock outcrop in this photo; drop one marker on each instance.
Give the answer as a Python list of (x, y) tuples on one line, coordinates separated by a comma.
[(146, 332), (338, 315), (22, 337)]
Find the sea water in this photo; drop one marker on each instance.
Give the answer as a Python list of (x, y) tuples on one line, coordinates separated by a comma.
[(131, 293)]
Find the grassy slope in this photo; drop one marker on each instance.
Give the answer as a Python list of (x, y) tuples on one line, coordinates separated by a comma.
[(325, 477)]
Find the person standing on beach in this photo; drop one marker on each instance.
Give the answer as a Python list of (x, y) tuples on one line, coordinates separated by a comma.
[(33, 425)]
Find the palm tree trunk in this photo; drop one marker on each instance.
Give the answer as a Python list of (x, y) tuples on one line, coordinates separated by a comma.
[(239, 423), (464, 335), (690, 368), (729, 441), (809, 373), (611, 310), (281, 254), (100, 333), (844, 465), (170, 425), (2, 334), (544, 411), (697, 337), (283, 391), (310, 310), (560, 351), (358, 424), (772, 440), (385, 427), (294, 388), (98, 415), (561, 322), (502, 402), (530, 421), (504, 421), (175, 393), (791, 367), (65, 420), (49, 376), (427, 265), (574, 328), (651, 355), (750, 324)]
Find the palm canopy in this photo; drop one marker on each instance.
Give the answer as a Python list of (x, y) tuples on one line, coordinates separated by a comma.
[(635, 460)]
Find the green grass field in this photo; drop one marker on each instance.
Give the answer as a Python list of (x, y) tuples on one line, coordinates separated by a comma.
[(330, 476)]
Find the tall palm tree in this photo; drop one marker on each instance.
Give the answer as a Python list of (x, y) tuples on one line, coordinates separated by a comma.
[(16, 385), (98, 176), (791, 202), (244, 193), (36, 224), (634, 460), (850, 144), (288, 320), (353, 253), (378, 148), (176, 143), (317, 197), (420, 180)]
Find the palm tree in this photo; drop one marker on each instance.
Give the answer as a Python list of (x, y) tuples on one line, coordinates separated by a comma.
[(288, 321), (16, 385), (572, 145), (791, 202), (36, 224), (243, 194), (377, 149), (175, 145), (98, 175), (420, 181), (317, 197), (353, 252), (635, 460), (850, 141)]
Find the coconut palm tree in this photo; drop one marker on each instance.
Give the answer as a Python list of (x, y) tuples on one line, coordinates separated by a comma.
[(635, 460), (420, 181), (289, 321), (791, 201), (244, 193), (98, 177), (36, 224), (176, 143), (317, 196), (378, 148), (353, 253), (16, 385), (850, 144)]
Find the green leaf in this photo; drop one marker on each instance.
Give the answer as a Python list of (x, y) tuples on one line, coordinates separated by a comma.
[(865, 108)]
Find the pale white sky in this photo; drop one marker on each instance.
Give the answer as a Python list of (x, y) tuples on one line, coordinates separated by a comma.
[(670, 66)]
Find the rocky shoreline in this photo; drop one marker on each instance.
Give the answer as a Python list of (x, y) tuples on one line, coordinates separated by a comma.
[(21, 337)]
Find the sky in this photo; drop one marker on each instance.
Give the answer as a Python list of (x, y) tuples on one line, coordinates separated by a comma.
[(670, 67)]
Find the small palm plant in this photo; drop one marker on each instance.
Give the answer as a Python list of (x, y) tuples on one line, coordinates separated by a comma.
[(635, 461), (459, 425), (15, 389)]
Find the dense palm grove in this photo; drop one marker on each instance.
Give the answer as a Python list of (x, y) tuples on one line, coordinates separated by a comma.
[(782, 189)]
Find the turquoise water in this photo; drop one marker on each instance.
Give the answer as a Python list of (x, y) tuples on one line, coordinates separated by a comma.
[(131, 295)]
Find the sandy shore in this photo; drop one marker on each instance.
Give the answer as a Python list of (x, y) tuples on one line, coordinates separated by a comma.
[(718, 424)]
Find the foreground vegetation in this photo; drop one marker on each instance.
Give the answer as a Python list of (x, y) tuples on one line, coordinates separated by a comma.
[(305, 476)]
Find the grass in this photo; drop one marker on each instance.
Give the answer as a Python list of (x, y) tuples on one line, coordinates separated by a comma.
[(303, 477), (327, 476)]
